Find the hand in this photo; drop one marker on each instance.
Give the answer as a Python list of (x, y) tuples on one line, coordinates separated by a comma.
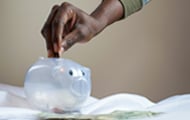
[(67, 25)]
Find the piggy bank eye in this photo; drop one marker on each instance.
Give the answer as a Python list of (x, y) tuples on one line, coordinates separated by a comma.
[(83, 73), (71, 72)]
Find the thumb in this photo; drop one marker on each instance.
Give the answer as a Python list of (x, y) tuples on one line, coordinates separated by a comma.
[(70, 39)]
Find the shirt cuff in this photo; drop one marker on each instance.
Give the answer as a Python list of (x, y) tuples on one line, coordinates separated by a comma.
[(132, 6)]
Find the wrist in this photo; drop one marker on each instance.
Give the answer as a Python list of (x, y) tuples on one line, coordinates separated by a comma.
[(108, 12)]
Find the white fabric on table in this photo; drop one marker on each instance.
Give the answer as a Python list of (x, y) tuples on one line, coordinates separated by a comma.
[(14, 106)]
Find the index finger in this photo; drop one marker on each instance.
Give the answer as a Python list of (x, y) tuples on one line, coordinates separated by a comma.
[(46, 31), (62, 20)]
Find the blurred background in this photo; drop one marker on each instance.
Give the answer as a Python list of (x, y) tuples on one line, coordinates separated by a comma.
[(147, 54)]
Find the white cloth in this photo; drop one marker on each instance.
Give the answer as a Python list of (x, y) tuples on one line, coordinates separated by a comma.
[(14, 106)]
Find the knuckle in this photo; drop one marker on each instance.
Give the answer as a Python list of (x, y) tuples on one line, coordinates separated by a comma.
[(44, 31), (70, 43), (65, 4), (55, 7)]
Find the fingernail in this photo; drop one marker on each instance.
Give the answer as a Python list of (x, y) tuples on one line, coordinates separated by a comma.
[(61, 51), (50, 53)]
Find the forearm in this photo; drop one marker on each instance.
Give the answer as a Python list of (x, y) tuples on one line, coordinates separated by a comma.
[(108, 12)]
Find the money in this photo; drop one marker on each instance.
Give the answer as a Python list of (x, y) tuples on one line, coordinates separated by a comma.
[(116, 115)]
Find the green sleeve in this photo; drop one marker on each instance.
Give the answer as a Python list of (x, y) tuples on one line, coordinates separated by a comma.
[(132, 6)]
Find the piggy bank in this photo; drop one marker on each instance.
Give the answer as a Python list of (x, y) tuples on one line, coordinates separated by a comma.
[(57, 84)]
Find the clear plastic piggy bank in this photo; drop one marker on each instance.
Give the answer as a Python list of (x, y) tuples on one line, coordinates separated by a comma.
[(57, 84)]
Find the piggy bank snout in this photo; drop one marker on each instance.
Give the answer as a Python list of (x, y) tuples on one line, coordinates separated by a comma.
[(80, 87)]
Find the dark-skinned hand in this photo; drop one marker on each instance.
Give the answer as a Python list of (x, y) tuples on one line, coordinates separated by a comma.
[(67, 25)]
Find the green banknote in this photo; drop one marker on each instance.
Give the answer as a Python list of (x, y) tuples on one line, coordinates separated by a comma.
[(117, 115)]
